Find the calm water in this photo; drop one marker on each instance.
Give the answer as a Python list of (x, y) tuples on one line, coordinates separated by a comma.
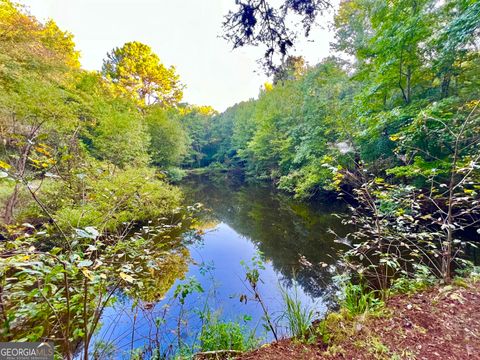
[(239, 220)]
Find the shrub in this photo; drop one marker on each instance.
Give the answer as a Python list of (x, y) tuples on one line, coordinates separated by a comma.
[(421, 279), (106, 199), (175, 174)]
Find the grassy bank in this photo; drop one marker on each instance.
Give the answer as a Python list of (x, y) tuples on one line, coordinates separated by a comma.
[(440, 322)]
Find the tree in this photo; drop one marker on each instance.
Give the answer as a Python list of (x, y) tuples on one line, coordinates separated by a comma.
[(460, 33), (256, 22), (135, 71), (353, 29), (441, 146), (27, 44), (36, 127), (60, 43), (291, 69), (120, 137), (199, 125), (168, 141)]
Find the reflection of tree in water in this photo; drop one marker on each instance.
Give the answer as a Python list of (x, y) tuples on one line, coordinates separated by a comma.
[(168, 259), (156, 281), (168, 268), (282, 228)]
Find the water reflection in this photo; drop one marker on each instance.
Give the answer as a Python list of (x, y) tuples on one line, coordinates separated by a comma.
[(285, 230), (239, 219)]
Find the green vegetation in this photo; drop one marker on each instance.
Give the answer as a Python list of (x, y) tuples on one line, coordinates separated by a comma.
[(396, 127), (252, 277), (357, 300), (77, 153), (134, 71), (413, 63), (218, 335), (88, 162), (298, 316), (77, 181)]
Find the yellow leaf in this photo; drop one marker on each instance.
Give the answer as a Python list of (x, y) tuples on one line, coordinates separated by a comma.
[(127, 277), (4, 165), (87, 273)]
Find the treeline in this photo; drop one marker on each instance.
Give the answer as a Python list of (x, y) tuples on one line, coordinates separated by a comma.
[(393, 120), (404, 64), (85, 159), (84, 148)]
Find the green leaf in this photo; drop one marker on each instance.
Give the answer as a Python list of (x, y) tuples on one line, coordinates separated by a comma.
[(85, 263), (88, 233)]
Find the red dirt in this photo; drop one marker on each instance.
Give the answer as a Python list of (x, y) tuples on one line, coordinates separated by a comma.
[(441, 323)]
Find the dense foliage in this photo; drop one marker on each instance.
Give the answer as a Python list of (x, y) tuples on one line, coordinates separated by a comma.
[(77, 178), (136, 72), (87, 159), (407, 61), (392, 120), (75, 139)]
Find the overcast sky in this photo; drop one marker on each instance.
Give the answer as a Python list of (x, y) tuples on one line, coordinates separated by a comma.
[(184, 33)]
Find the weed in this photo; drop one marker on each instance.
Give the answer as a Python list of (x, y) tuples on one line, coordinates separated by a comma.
[(322, 332), (460, 282), (358, 300), (422, 279), (334, 350), (378, 348), (298, 316), (219, 335)]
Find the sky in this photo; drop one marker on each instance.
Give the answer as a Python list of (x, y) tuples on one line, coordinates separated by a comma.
[(183, 33)]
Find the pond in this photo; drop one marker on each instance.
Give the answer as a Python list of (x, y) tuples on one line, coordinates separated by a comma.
[(239, 221)]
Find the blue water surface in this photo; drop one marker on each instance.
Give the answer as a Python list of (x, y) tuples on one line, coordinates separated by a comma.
[(298, 252)]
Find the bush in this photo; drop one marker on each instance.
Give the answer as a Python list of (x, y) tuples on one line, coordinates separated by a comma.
[(175, 174), (106, 199), (422, 279)]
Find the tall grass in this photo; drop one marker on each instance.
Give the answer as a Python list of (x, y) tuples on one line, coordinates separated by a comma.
[(298, 316), (358, 300), (226, 335)]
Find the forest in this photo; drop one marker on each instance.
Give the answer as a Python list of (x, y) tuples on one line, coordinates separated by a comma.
[(96, 204)]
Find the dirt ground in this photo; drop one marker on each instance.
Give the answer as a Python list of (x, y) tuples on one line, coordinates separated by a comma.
[(440, 323)]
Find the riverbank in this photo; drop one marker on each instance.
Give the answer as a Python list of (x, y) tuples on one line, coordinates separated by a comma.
[(439, 323)]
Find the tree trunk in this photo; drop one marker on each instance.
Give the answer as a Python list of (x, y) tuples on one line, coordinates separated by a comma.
[(446, 84), (409, 84), (12, 200), (447, 258), (10, 206)]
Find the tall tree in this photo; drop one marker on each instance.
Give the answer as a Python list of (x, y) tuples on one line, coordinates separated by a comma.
[(291, 69), (136, 72), (460, 33), (168, 141)]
